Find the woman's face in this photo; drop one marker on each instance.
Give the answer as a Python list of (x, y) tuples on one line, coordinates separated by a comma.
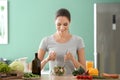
[(62, 24)]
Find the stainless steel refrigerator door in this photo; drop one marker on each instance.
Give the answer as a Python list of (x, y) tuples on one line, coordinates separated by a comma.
[(107, 37)]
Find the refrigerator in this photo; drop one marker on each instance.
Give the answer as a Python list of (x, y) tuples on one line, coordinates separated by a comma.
[(107, 37)]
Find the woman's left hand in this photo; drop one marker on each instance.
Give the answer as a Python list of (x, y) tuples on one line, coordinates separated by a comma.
[(68, 56)]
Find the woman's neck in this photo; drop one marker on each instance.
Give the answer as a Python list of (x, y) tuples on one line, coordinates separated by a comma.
[(62, 35)]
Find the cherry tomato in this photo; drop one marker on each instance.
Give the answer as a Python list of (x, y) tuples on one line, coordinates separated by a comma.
[(86, 77), (89, 77), (78, 77)]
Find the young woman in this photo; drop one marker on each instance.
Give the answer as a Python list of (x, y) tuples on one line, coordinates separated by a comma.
[(63, 48)]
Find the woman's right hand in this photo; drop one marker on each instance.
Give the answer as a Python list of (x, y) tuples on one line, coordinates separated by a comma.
[(51, 56)]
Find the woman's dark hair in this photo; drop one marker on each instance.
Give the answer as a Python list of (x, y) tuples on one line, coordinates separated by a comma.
[(63, 12)]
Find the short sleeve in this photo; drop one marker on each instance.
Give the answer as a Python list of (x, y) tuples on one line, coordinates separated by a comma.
[(80, 43), (43, 44)]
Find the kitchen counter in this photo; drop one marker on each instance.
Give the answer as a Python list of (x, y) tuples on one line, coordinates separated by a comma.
[(51, 77), (70, 77)]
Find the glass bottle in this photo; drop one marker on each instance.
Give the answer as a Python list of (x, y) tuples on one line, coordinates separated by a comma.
[(36, 67)]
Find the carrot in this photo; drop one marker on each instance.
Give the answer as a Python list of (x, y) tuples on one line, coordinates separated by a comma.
[(110, 75)]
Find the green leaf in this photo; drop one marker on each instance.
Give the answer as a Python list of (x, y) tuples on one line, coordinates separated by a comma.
[(78, 71)]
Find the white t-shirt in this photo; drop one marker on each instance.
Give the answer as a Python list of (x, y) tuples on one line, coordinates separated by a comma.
[(49, 44)]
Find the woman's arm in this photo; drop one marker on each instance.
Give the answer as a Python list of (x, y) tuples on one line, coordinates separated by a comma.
[(51, 56), (81, 58), (41, 54)]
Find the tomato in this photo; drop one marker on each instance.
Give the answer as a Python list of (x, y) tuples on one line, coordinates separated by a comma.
[(79, 77), (84, 77), (89, 77)]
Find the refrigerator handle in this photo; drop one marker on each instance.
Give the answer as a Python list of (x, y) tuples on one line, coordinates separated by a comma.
[(98, 60), (113, 22)]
